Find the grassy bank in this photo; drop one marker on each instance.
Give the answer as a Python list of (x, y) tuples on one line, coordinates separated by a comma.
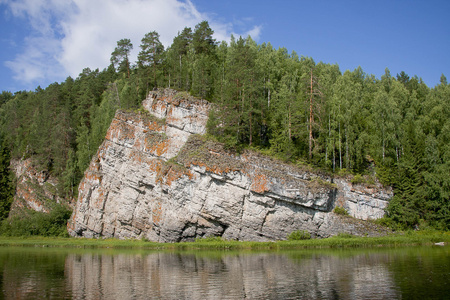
[(341, 241)]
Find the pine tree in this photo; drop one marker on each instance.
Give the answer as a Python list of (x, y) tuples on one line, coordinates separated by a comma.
[(150, 55), (120, 56)]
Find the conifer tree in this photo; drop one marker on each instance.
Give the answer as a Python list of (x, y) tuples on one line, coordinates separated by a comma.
[(151, 53), (120, 56)]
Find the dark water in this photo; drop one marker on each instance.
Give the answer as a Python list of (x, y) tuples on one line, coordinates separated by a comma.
[(388, 273)]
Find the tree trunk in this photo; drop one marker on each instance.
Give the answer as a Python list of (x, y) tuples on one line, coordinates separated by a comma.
[(347, 160), (289, 122)]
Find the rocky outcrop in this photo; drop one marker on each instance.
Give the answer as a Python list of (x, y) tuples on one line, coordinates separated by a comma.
[(363, 201), (35, 189), (156, 177)]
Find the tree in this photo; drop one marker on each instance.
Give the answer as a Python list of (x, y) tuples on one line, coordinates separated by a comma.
[(202, 39), (5, 97), (119, 57), (314, 93), (178, 56), (151, 53), (285, 112), (240, 82), (204, 60), (403, 78), (443, 80)]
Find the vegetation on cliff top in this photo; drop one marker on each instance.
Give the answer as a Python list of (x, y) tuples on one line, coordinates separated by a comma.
[(286, 105)]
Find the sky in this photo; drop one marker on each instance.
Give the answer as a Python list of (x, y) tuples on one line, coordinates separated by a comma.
[(45, 41)]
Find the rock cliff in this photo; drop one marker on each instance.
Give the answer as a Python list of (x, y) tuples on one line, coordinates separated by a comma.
[(35, 189), (156, 177)]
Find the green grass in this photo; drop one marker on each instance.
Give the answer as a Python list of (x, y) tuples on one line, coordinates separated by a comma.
[(410, 238)]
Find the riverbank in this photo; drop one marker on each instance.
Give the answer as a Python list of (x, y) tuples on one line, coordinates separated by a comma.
[(410, 238)]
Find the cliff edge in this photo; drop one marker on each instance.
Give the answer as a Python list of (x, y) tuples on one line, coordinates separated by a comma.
[(156, 177)]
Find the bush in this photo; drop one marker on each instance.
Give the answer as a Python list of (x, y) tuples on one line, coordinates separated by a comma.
[(340, 211), (299, 235), (38, 223), (357, 179)]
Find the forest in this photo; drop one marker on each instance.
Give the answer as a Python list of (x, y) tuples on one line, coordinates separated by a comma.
[(285, 105)]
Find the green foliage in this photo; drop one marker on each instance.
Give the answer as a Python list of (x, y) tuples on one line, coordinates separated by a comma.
[(357, 179), (119, 57), (38, 223), (343, 235), (210, 239), (150, 57), (340, 211), (6, 182), (387, 222), (360, 179), (299, 235)]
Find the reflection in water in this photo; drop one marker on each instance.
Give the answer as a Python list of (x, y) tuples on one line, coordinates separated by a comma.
[(346, 274)]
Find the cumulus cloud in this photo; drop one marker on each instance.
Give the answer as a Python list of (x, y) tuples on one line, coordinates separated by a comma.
[(69, 35)]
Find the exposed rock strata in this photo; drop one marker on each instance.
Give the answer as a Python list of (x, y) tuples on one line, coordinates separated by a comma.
[(154, 177), (35, 190)]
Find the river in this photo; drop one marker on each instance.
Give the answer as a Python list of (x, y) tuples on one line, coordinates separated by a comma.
[(381, 273)]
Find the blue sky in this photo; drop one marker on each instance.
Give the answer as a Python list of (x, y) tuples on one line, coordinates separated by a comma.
[(43, 41)]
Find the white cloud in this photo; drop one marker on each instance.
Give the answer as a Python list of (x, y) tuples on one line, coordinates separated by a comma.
[(36, 63), (69, 35)]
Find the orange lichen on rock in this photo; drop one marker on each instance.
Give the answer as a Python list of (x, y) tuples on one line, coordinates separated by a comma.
[(155, 167), (159, 104), (137, 157), (259, 184), (175, 173), (121, 131), (153, 126), (157, 212), (155, 143), (127, 131), (93, 177), (71, 222), (112, 132), (99, 201), (160, 148), (30, 199)]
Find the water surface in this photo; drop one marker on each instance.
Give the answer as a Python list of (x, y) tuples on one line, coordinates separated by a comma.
[(386, 273)]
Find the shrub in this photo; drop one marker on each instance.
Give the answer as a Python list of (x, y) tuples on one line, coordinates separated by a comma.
[(299, 235), (357, 179), (388, 222), (340, 211)]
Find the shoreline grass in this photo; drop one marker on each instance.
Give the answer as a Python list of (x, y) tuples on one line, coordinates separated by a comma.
[(409, 238)]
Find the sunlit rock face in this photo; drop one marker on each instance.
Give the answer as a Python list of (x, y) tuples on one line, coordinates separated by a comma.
[(363, 201), (156, 177)]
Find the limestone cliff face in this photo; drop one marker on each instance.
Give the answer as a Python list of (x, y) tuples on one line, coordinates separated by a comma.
[(156, 177), (35, 190)]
